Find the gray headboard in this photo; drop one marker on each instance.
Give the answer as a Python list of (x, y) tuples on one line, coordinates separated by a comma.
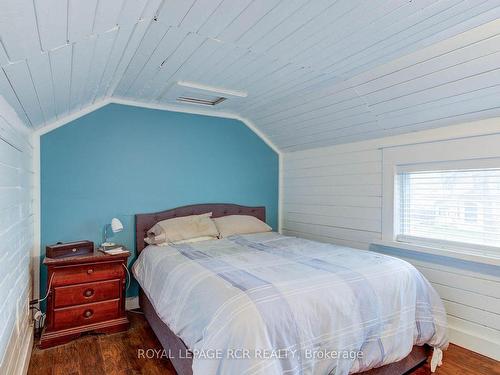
[(144, 222)]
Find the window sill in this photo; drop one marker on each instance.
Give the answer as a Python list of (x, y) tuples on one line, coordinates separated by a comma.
[(470, 255)]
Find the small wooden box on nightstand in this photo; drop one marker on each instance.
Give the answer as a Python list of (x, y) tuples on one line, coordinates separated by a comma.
[(87, 293)]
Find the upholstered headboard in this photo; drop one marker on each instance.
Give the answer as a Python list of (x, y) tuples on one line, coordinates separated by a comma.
[(144, 222)]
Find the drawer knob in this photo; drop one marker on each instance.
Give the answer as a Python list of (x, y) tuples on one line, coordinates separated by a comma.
[(73, 250), (88, 293), (90, 270), (88, 313)]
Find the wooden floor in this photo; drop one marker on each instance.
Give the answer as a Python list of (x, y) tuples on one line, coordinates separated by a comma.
[(118, 354)]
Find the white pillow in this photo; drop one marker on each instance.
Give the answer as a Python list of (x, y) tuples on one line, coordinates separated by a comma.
[(240, 224), (182, 228), (197, 239)]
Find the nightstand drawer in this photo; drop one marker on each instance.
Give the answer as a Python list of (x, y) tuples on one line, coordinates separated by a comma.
[(69, 317), (86, 293), (86, 273)]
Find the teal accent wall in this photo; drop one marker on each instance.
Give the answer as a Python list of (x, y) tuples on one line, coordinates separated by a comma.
[(122, 160)]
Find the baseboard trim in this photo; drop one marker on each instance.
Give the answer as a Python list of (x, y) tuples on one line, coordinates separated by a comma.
[(132, 303), (17, 355), (24, 362), (475, 343)]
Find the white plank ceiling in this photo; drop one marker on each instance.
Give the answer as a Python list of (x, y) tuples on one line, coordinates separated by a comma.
[(317, 72)]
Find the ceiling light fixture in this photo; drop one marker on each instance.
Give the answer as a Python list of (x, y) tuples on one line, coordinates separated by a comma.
[(218, 90), (189, 100)]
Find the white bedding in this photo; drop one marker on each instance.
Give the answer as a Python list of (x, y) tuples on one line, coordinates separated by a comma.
[(271, 304)]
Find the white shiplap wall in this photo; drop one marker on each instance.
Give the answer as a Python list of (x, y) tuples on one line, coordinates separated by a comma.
[(16, 241), (334, 194)]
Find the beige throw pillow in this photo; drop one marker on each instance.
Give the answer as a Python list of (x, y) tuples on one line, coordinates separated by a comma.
[(182, 228), (197, 239), (240, 224)]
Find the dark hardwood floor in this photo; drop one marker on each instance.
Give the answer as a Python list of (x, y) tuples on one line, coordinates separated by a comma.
[(118, 354)]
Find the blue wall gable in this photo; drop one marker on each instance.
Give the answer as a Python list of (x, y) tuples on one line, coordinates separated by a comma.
[(122, 160)]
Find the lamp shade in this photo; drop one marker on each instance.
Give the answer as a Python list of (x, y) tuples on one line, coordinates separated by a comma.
[(116, 225)]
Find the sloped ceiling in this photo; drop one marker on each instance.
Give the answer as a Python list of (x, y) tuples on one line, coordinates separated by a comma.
[(317, 72)]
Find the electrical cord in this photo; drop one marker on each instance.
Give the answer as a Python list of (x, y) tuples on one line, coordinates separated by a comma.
[(128, 277), (48, 290)]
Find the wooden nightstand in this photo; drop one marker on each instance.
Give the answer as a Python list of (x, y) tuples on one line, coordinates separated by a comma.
[(87, 293)]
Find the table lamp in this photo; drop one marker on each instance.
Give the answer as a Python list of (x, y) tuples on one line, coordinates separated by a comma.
[(115, 226)]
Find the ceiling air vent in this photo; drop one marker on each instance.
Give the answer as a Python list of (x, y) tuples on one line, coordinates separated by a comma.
[(209, 102)]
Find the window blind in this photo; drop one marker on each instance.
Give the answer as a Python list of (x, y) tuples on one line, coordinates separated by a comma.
[(459, 206)]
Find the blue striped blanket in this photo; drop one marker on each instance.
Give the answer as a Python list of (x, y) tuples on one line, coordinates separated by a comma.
[(272, 304)]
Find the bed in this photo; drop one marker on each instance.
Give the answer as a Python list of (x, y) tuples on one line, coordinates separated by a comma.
[(271, 304)]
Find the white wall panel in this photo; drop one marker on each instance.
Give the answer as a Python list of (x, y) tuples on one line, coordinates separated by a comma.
[(322, 138), (223, 15), (83, 53), (16, 236), (199, 13), (377, 29), (20, 78), (342, 236), (278, 75), (339, 105), (103, 47), (323, 200), (292, 24), (322, 125), (172, 64), (4, 59), (131, 47), (246, 19), (317, 73), (9, 95), (81, 16), (18, 28), (41, 75), (197, 59), (151, 9), (332, 200), (155, 33), (324, 22), (107, 14), (131, 11), (427, 82), (60, 63), (269, 21), (326, 238), (52, 17), (432, 59), (119, 46), (366, 225), (173, 11), (365, 213), (339, 190), (360, 17), (160, 55), (221, 53), (236, 58), (355, 168)]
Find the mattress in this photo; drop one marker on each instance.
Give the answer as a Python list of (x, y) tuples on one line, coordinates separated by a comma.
[(271, 304)]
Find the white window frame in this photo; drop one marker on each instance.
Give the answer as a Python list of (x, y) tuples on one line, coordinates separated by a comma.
[(464, 153)]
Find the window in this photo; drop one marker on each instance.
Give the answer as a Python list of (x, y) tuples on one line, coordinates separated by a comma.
[(448, 206)]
